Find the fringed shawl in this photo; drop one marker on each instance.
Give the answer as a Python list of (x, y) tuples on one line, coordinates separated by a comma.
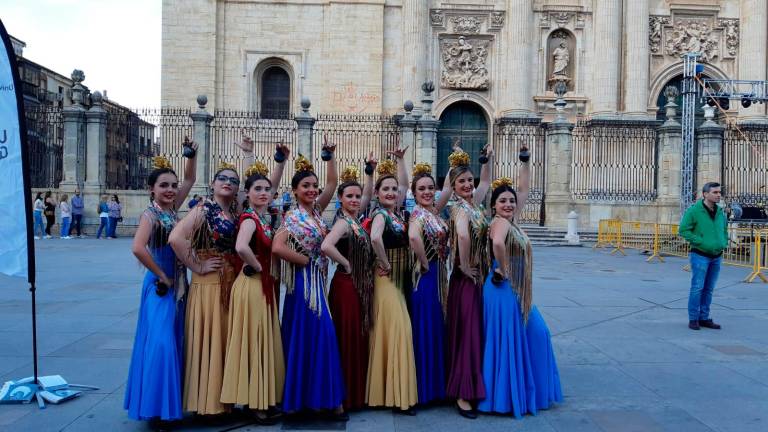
[(478, 236), (434, 234), (261, 245), (360, 255), (395, 237), (163, 223), (305, 235), (214, 236), (520, 266)]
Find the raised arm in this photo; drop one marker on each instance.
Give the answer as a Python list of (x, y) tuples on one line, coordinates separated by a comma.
[(329, 248), (243, 246), (190, 175), (331, 178), (139, 249), (277, 174), (465, 244), (402, 176), (369, 183), (523, 185), (498, 234), (417, 243), (445, 195), (485, 177), (383, 266), (283, 251)]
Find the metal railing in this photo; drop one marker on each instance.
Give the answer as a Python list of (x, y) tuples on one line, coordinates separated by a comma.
[(45, 141), (614, 161), (129, 149), (745, 165), (746, 245)]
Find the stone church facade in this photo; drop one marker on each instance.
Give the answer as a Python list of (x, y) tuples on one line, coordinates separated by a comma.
[(369, 56)]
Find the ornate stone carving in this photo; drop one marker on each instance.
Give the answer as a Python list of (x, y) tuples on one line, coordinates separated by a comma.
[(465, 24), (561, 58), (77, 76), (436, 17), (580, 20), (692, 35), (464, 63), (497, 19), (654, 36), (731, 31), (560, 70), (544, 20), (561, 18)]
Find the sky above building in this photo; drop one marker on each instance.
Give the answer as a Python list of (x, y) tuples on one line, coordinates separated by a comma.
[(115, 42)]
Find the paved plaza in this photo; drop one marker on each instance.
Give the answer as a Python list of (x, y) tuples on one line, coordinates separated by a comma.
[(627, 360)]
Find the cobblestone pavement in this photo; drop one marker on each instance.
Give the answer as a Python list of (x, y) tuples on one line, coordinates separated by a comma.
[(627, 359)]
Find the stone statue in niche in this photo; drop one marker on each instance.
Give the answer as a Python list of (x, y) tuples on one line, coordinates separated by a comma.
[(559, 60), (464, 64)]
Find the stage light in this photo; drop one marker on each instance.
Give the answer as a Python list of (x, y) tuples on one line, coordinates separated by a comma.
[(711, 102), (725, 103), (746, 103)]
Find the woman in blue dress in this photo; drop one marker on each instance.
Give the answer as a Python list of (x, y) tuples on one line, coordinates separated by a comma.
[(428, 237), (313, 377), (519, 369), (153, 390)]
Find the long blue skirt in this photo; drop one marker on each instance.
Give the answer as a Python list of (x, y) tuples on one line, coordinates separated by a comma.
[(507, 369), (313, 377), (544, 366), (155, 375), (429, 335)]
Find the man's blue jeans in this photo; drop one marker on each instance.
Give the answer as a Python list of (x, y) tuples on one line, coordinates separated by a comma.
[(704, 273)]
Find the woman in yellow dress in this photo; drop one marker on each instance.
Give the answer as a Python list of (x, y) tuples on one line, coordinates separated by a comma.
[(391, 364)]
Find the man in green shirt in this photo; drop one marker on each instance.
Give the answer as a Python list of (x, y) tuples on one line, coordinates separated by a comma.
[(705, 227)]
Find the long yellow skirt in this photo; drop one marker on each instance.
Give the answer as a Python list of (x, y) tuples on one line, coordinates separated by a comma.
[(206, 335), (391, 364), (254, 370)]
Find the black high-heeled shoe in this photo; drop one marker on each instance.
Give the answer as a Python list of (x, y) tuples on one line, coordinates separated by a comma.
[(407, 411), (470, 413)]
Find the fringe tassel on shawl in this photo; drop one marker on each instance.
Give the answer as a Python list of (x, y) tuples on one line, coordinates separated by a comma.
[(314, 280), (479, 254), (361, 260), (520, 270)]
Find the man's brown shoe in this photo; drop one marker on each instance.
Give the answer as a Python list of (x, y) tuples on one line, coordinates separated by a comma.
[(709, 324), (694, 325)]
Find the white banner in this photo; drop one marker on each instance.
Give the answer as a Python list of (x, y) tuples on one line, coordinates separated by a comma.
[(13, 211)]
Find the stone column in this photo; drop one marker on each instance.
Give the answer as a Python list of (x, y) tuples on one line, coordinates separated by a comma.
[(73, 119), (305, 122), (96, 139), (408, 133), (636, 59), (753, 52), (606, 48), (201, 134), (426, 129), (558, 200), (709, 157), (669, 170), (517, 68), (416, 46)]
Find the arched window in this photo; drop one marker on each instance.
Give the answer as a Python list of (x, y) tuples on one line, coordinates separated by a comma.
[(275, 93)]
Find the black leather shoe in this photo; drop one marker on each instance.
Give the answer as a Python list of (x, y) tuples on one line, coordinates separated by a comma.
[(470, 413), (694, 325), (709, 324), (339, 416), (408, 411)]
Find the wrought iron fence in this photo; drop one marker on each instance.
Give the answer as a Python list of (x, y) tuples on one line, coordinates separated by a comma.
[(171, 126), (45, 141), (509, 137), (614, 160), (355, 135), (129, 149), (745, 165), (228, 129)]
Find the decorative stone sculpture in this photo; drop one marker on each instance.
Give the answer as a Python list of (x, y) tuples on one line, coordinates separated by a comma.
[(464, 63), (78, 76), (692, 35), (465, 24), (561, 58), (497, 19), (436, 18), (655, 24), (731, 30)]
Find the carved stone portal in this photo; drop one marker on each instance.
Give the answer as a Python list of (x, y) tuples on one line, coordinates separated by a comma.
[(464, 63), (675, 36)]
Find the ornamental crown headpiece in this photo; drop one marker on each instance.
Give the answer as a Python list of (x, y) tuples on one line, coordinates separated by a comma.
[(422, 169), (458, 158), (257, 168), (223, 165), (501, 181), (160, 162), (386, 168), (303, 164), (350, 174)]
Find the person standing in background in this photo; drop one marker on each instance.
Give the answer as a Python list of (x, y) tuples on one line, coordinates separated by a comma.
[(77, 214), (114, 216), (66, 217), (37, 211), (50, 213), (103, 218)]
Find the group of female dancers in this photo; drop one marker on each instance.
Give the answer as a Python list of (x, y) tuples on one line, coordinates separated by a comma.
[(377, 311)]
